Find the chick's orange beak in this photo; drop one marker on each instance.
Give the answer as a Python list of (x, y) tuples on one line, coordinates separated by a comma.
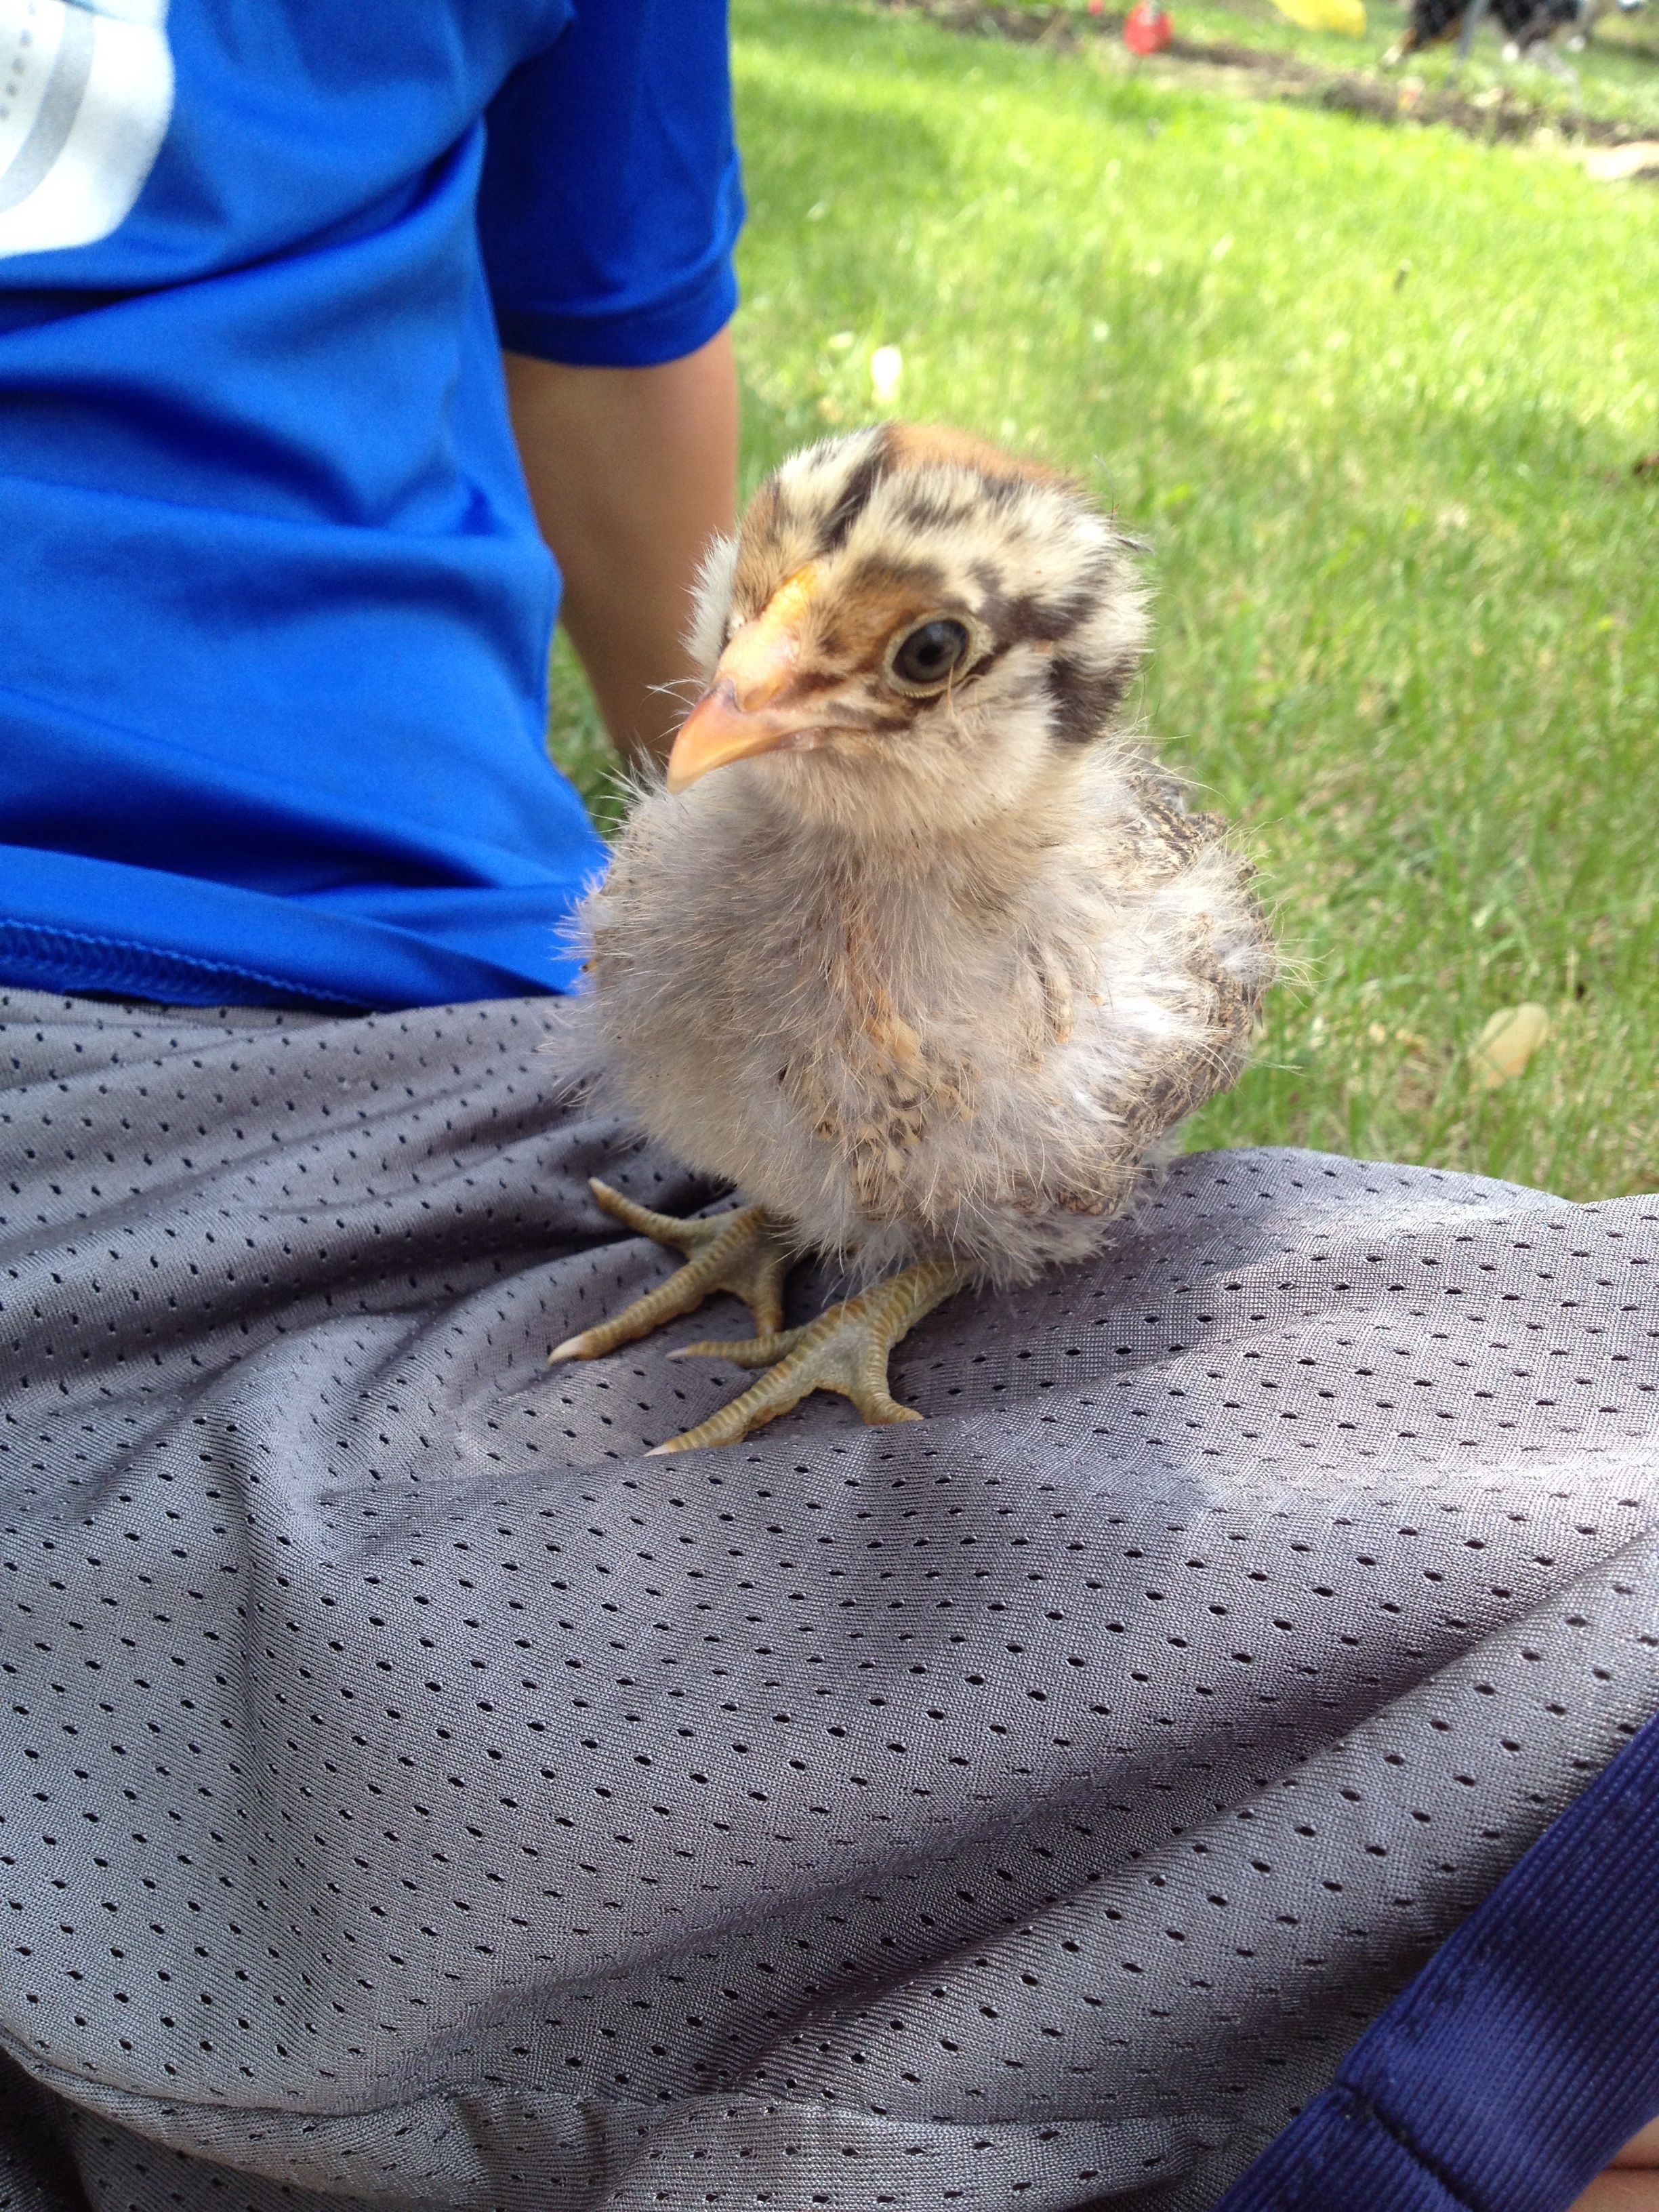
[(719, 729), (745, 709)]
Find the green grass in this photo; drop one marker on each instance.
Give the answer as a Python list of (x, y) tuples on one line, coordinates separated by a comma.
[(1374, 395)]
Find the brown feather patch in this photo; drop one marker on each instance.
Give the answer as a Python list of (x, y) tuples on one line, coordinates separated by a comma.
[(849, 629), (934, 445)]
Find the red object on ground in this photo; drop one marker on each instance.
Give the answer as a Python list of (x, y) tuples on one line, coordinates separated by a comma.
[(1147, 29), (1096, 6)]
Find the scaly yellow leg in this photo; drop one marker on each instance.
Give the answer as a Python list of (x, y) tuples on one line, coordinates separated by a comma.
[(740, 1251), (845, 1349)]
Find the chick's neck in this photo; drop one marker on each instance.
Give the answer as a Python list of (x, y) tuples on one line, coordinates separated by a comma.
[(880, 856)]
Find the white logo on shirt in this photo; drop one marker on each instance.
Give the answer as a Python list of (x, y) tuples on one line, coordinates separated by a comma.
[(86, 91)]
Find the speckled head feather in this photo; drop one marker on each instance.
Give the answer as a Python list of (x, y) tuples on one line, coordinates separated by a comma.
[(861, 545)]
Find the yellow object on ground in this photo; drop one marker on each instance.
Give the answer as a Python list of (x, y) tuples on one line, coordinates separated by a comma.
[(1346, 15), (1507, 1043)]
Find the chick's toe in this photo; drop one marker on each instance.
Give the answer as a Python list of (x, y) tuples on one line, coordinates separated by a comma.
[(845, 1349), (740, 1251)]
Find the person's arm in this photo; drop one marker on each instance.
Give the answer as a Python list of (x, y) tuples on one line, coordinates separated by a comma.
[(632, 471), (1631, 2183), (609, 207)]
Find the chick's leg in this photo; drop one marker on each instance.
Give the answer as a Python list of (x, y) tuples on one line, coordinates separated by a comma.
[(845, 1349), (740, 1251)]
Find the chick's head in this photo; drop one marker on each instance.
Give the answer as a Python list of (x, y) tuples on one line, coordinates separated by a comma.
[(911, 635)]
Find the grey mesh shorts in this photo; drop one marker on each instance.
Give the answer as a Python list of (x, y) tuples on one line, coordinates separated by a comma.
[(417, 1798)]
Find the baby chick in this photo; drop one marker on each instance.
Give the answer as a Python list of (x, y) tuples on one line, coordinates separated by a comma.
[(914, 948)]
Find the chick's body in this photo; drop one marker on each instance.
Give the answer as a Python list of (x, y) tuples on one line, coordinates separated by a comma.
[(915, 1050), (935, 963)]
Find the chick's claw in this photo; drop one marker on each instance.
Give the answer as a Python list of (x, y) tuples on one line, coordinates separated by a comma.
[(738, 1251), (845, 1349)]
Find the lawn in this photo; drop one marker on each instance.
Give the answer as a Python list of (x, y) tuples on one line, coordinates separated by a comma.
[(1375, 396)]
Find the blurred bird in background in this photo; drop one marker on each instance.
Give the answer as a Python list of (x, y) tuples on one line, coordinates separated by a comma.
[(1528, 27), (915, 948)]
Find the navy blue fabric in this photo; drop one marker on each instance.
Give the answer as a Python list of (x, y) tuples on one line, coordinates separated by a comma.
[(272, 670), (1525, 2054)]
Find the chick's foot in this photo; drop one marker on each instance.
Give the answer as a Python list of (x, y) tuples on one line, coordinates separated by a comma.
[(738, 1251), (845, 1349)]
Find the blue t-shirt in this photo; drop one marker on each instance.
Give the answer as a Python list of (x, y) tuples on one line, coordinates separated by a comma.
[(274, 612)]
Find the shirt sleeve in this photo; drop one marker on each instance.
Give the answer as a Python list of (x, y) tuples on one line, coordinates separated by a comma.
[(612, 200)]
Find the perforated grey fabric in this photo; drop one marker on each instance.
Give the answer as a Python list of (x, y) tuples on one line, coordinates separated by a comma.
[(415, 1797)]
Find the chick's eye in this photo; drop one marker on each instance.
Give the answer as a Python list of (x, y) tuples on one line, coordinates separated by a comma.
[(929, 653)]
